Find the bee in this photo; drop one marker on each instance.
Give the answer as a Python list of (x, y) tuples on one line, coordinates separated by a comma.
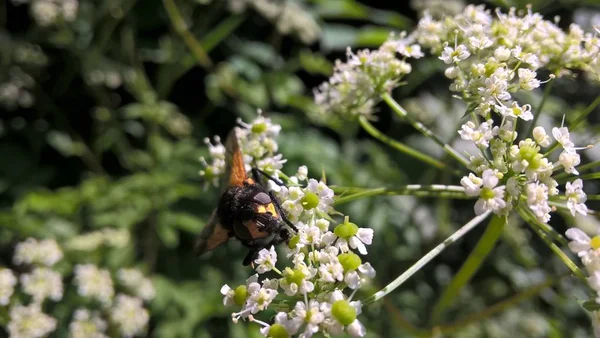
[(246, 210)]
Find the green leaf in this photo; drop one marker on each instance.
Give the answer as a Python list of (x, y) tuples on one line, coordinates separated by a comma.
[(315, 63), (167, 233)]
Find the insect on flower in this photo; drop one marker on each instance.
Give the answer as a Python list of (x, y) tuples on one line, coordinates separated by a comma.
[(246, 210)]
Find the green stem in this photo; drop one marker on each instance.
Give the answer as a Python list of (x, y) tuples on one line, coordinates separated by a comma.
[(538, 110), (180, 27), (401, 112), (580, 169), (435, 191), (168, 74), (400, 146), (590, 176), (555, 249), (483, 248), (426, 259)]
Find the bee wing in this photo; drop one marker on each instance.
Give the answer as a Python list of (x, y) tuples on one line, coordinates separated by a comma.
[(212, 236), (235, 172)]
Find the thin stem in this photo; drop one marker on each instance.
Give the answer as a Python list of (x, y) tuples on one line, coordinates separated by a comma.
[(538, 110), (426, 259), (168, 74), (581, 169), (500, 306), (555, 249), (400, 146), (586, 177), (483, 248), (180, 27), (434, 191), (401, 112)]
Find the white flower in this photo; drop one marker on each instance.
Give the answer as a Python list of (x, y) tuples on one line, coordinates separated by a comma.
[(87, 324), (309, 314), (43, 283), (451, 55), (323, 192), (581, 243), (260, 296), (29, 322), (357, 241), (94, 283), (527, 79), (128, 314), (229, 295), (136, 283), (491, 197), (563, 137), (576, 197), (537, 200), (331, 272), (302, 173), (353, 278), (298, 280), (266, 260), (479, 135), (569, 160), (540, 136), (523, 112), (31, 251), (7, 285)]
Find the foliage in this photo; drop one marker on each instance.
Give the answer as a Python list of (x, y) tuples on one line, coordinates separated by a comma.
[(103, 110)]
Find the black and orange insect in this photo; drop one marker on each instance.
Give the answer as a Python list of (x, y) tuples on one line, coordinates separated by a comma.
[(246, 210)]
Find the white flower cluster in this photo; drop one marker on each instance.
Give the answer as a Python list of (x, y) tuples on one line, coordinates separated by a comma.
[(288, 16), (257, 144), (87, 324), (16, 92), (308, 294), (115, 238), (489, 60), (355, 86), (492, 56), (519, 173), (51, 12), (41, 283)]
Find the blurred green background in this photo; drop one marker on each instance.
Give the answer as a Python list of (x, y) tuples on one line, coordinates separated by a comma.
[(102, 121)]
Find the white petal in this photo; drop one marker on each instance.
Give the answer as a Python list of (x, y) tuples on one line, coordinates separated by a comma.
[(356, 329), (577, 235), (225, 289), (367, 270), (355, 243), (365, 235), (352, 280)]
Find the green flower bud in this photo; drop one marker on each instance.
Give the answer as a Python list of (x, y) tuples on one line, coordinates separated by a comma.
[(350, 261), (259, 128), (240, 295), (277, 331), (310, 201), (345, 230), (293, 276), (293, 242), (343, 312)]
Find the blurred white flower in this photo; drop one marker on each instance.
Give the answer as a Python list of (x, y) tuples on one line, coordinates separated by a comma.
[(94, 283), (266, 260), (29, 322), (87, 324), (137, 283), (7, 285), (31, 251), (129, 315), (576, 197), (43, 283)]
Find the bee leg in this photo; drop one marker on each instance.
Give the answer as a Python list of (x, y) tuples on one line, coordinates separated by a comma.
[(250, 257), (275, 201), (256, 173)]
